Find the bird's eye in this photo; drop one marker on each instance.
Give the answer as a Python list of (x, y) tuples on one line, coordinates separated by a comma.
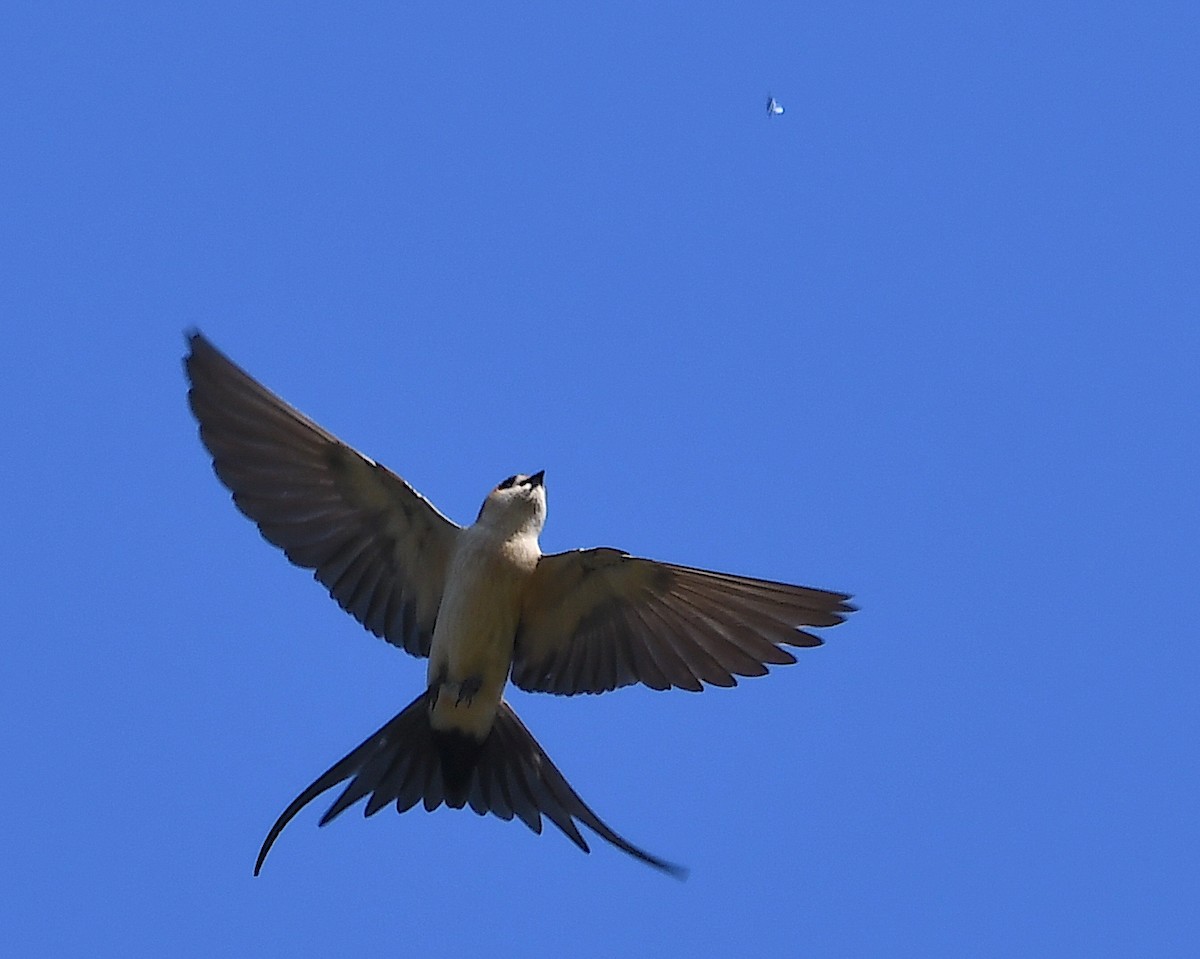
[(505, 484)]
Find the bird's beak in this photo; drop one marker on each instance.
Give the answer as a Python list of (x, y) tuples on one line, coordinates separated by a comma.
[(537, 478)]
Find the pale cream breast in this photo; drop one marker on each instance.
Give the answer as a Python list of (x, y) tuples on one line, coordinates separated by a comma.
[(476, 626)]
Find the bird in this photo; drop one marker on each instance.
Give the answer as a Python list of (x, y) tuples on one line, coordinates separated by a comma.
[(774, 107), (485, 606)]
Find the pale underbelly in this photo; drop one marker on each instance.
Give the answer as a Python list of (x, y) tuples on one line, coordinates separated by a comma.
[(471, 653)]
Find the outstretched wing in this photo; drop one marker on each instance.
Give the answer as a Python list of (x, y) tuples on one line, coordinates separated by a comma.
[(593, 620), (377, 545)]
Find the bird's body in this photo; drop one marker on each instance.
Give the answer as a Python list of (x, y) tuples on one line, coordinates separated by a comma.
[(477, 625), (485, 605)]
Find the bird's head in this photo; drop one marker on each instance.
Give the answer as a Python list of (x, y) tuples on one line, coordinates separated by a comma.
[(516, 505)]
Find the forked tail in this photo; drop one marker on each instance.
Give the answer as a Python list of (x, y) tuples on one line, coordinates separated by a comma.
[(405, 762)]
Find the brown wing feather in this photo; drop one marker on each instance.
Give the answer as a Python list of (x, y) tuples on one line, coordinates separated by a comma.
[(596, 619), (376, 544)]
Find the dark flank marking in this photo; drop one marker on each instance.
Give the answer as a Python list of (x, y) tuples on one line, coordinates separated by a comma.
[(435, 689)]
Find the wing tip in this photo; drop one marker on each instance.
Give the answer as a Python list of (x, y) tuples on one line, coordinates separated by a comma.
[(196, 342)]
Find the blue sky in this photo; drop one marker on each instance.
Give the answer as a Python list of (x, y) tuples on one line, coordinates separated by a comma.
[(930, 338)]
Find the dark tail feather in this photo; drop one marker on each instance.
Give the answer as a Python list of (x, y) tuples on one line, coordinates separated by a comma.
[(508, 775), (380, 749), (513, 763)]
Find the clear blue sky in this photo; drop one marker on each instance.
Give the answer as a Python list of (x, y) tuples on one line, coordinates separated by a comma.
[(930, 338)]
